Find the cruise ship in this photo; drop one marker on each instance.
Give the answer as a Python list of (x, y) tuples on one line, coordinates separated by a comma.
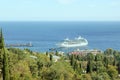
[(77, 42)]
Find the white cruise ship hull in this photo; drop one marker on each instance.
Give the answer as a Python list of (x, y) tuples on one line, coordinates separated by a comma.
[(73, 45)]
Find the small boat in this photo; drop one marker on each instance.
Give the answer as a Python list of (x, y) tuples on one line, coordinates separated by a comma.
[(77, 42)]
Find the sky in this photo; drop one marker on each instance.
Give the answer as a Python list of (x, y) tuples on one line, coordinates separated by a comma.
[(59, 10)]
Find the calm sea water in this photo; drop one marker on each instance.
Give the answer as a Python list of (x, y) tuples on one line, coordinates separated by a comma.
[(45, 35)]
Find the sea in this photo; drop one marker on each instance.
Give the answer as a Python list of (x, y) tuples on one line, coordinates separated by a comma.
[(44, 35)]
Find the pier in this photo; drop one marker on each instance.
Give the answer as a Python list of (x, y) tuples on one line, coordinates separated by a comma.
[(19, 45)]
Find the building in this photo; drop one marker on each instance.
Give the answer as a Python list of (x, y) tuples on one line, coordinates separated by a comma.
[(85, 52)]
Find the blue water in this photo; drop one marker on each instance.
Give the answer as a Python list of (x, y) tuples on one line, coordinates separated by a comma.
[(44, 35)]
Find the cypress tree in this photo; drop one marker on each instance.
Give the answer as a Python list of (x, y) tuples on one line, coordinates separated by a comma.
[(5, 69), (1, 58), (5, 66), (75, 67), (89, 67), (72, 61), (106, 62), (56, 53), (47, 53), (118, 67), (51, 57), (114, 62)]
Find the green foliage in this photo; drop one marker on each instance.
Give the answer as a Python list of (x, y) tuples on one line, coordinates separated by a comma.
[(42, 68), (51, 57), (104, 76), (58, 71), (21, 71), (100, 67), (118, 67), (86, 77), (97, 65), (56, 53), (90, 66), (33, 68), (101, 76), (47, 53), (5, 66), (72, 60), (21, 53), (113, 73), (3, 59), (109, 51), (99, 57), (90, 57)]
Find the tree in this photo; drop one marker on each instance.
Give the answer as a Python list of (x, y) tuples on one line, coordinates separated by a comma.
[(89, 66), (58, 71), (56, 53), (100, 67), (21, 71), (72, 60), (86, 77), (100, 76), (90, 58), (51, 57), (99, 57), (104, 76), (47, 53), (112, 72), (5, 66), (119, 67), (106, 61), (109, 51), (33, 68), (5, 69)]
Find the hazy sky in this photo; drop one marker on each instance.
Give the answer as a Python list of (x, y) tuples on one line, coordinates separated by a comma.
[(59, 10)]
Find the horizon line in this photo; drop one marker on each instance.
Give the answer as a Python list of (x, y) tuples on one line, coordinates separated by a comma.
[(63, 21)]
